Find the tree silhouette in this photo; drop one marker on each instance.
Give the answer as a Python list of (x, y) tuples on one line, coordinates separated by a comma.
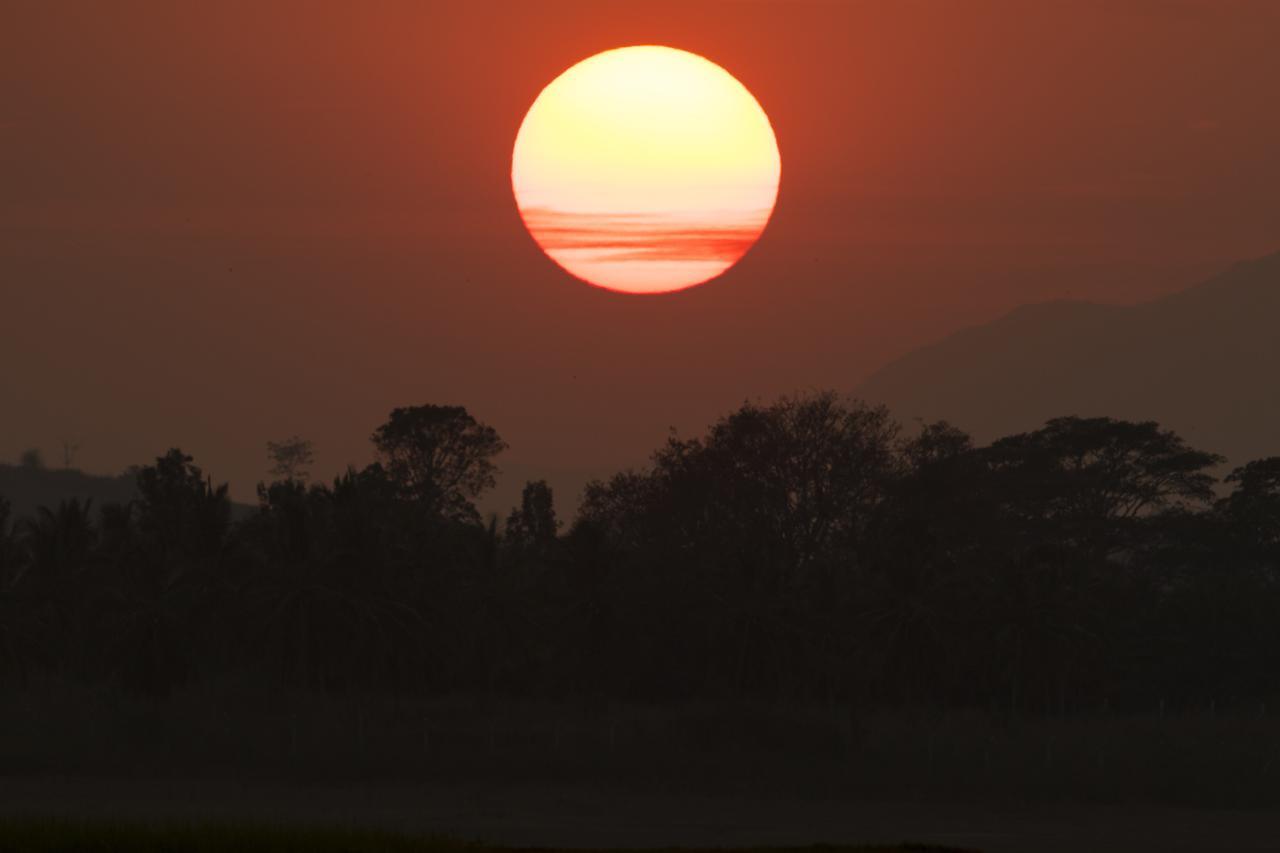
[(1253, 508), (183, 522), (291, 458), (802, 550), (323, 609), (178, 508), (19, 621), (58, 542), (439, 457), (9, 553), (533, 525), (1093, 480)]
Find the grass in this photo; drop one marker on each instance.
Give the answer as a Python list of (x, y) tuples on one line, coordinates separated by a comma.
[(48, 835), (1223, 758)]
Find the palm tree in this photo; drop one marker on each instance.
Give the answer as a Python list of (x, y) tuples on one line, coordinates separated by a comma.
[(58, 542), (19, 647), (58, 545)]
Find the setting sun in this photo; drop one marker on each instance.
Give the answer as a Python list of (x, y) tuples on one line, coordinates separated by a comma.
[(645, 170)]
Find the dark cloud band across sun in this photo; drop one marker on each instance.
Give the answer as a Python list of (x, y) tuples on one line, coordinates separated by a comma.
[(624, 238)]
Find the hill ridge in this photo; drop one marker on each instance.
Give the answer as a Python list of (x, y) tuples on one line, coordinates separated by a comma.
[(1178, 359)]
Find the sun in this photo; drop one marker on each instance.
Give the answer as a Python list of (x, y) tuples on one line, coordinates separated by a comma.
[(645, 169)]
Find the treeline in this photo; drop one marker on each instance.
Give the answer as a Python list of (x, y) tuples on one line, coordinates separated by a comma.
[(804, 551)]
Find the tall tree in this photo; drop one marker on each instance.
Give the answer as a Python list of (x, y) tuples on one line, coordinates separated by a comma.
[(439, 457), (20, 621), (1254, 505), (291, 459), (59, 541), (9, 554), (1090, 482), (532, 526), (179, 508), (791, 483)]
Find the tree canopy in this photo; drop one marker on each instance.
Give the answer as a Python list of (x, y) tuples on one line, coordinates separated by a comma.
[(440, 457), (806, 549)]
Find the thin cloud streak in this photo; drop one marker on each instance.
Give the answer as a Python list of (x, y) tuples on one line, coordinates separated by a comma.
[(631, 237)]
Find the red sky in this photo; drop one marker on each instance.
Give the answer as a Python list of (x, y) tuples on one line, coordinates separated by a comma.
[(222, 223)]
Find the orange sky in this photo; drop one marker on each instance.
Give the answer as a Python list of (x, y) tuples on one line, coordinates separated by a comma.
[(233, 222)]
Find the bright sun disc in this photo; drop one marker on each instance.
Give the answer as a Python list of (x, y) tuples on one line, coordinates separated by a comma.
[(645, 170)]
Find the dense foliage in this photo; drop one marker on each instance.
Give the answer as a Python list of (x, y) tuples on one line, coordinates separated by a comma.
[(803, 551)]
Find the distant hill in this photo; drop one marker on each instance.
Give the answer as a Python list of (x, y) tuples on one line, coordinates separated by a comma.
[(28, 488), (1205, 362)]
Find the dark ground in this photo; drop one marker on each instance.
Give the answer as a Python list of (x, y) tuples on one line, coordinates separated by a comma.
[(649, 777), (549, 815)]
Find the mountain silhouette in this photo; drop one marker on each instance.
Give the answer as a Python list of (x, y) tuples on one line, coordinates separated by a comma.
[(27, 488), (1204, 362)]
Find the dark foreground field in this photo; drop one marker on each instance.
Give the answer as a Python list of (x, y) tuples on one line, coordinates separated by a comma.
[(44, 835), (592, 818), (524, 774)]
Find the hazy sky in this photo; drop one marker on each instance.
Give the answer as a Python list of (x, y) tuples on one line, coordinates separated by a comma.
[(222, 223)]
